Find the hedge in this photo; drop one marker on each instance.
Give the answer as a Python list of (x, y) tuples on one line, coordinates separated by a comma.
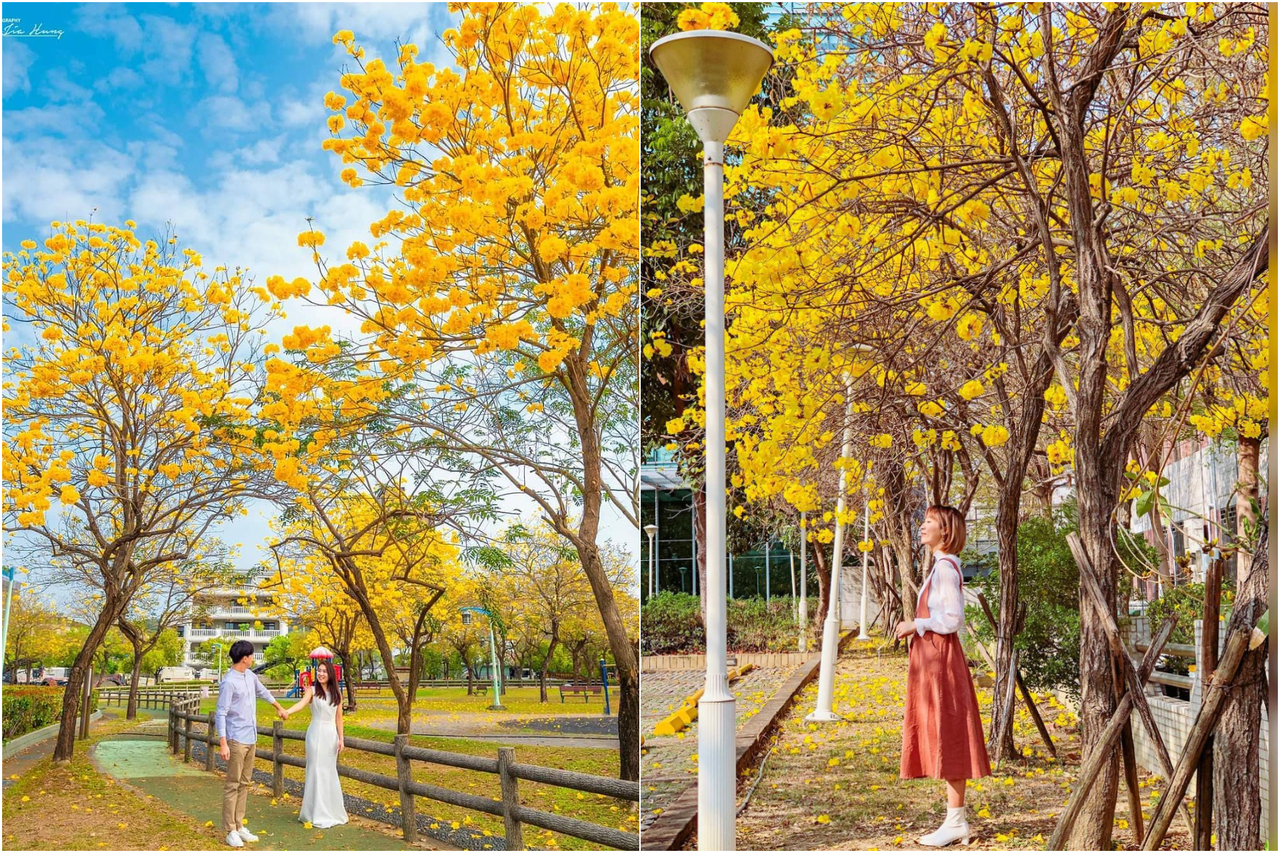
[(27, 708), (673, 624)]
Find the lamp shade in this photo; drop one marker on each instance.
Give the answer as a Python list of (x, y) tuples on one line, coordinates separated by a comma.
[(712, 68)]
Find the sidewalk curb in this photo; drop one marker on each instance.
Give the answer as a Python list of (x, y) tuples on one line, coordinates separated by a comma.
[(30, 739), (678, 821)]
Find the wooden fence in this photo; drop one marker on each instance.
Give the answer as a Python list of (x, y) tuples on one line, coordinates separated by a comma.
[(148, 697), (184, 714)]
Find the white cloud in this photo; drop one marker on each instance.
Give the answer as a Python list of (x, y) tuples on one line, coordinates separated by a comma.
[(108, 20), (166, 46), (121, 77), (56, 120), (43, 182), (318, 22), (217, 63), (227, 112), (59, 87), (18, 59)]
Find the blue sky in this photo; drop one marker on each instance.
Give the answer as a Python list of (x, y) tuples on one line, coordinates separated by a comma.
[(206, 116)]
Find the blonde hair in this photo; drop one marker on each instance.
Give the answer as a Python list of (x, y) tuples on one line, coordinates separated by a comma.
[(951, 520)]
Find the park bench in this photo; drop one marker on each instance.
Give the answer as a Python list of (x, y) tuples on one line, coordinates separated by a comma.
[(586, 691)]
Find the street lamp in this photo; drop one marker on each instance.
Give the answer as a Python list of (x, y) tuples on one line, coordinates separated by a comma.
[(823, 711), (7, 571), (493, 656), (866, 534), (714, 74), (652, 530)]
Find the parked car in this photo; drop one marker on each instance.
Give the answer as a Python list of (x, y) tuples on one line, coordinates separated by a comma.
[(54, 676), (175, 673)]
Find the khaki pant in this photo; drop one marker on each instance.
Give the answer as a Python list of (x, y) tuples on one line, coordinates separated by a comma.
[(235, 793)]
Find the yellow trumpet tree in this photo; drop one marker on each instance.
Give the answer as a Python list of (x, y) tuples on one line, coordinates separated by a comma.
[(503, 292), (1070, 189), (133, 369)]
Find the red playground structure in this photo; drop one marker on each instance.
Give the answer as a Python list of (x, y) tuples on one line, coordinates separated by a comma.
[(304, 679)]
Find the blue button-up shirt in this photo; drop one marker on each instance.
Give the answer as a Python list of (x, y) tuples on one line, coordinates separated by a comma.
[(236, 716)]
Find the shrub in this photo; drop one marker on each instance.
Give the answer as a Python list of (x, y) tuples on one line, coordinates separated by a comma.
[(1187, 600), (672, 624), (29, 708)]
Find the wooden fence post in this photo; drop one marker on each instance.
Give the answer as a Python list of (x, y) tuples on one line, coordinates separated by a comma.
[(210, 739), (510, 798), (408, 820), (186, 733), (1208, 663), (277, 768)]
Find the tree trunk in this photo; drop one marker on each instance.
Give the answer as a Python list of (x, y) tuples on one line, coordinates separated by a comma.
[(546, 661), (345, 655), (131, 712), (821, 569), (1236, 784), (70, 721), (1000, 744), (700, 532)]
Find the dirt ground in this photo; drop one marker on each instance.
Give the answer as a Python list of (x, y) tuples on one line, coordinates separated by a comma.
[(836, 786)]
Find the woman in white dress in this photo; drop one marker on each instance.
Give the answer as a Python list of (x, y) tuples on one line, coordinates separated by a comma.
[(322, 804)]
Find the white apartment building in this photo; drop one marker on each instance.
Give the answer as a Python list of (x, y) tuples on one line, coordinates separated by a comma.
[(232, 612)]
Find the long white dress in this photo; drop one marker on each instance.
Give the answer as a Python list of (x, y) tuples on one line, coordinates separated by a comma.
[(322, 804)]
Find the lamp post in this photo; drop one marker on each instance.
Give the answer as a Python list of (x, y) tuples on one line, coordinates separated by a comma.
[(804, 583), (493, 656), (823, 712), (714, 74), (7, 571), (866, 534), (652, 530)]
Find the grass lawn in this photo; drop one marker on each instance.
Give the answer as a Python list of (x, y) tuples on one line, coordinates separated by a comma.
[(618, 814), (74, 807), (519, 701)]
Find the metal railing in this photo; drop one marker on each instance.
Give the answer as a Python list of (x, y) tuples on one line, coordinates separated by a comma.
[(184, 714)]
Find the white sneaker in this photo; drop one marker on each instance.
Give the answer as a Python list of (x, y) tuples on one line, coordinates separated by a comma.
[(246, 834), (954, 828), (233, 838)]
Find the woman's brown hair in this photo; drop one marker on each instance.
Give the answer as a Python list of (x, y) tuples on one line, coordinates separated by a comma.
[(951, 520), (331, 691)]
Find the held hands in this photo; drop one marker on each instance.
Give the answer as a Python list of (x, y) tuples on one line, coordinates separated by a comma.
[(283, 714), (904, 630)]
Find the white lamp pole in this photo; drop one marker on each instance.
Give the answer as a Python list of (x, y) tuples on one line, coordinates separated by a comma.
[(714, 74), (866, 534), (823, 712), (652, 529), (804, 584)]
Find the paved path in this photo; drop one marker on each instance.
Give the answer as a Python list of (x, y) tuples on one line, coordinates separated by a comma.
[(147, 765), (669, 764)]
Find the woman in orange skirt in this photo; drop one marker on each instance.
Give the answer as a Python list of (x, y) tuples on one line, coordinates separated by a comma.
[(941, 728)]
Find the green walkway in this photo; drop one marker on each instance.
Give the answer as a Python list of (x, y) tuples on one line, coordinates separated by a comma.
[(148, 766)]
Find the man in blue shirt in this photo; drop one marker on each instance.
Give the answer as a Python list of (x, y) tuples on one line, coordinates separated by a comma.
[(237, 722)]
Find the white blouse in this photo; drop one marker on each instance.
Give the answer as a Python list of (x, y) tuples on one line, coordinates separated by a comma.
[(946, 602)]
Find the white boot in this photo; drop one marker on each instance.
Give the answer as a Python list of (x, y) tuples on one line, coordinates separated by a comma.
[(954, 828)]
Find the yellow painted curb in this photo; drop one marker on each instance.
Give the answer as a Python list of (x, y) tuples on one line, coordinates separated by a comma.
[(683, 717)]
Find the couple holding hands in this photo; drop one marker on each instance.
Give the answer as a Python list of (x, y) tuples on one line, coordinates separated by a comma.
[(236, 718)]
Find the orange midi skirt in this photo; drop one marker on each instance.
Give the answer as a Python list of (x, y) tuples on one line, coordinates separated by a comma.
[(941, 727)]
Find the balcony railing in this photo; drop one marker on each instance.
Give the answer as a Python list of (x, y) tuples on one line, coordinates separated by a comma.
[(251, 634)]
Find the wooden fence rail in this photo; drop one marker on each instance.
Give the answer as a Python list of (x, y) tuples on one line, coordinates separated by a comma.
[(147, 697), (184, 713)]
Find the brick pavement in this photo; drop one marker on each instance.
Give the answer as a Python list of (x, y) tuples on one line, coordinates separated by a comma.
[(669, 764)]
